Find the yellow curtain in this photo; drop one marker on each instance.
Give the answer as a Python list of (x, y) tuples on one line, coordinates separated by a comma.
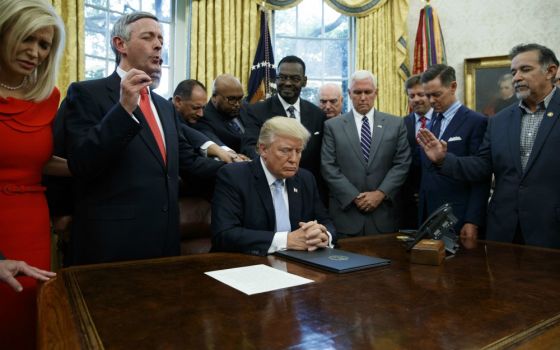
[(72, 63), (224, 37), (381, 48)]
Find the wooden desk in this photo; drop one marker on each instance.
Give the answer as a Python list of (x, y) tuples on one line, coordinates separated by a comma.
[(493, 295)]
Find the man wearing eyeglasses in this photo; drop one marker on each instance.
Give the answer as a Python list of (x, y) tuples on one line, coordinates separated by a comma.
[(289, 82), (222, 122)]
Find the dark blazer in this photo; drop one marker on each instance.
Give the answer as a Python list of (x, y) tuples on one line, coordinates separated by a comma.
[(407, 201), (243, 218), (530, 197), (125, 195), (312, 118), (215, 125), (195, 137), (469, 199)]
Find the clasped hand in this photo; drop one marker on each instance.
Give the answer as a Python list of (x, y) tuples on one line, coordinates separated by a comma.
[(309, 236), (369, 201)]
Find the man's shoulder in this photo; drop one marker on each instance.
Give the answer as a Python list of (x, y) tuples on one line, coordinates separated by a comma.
[(471, 113), (309, 105)]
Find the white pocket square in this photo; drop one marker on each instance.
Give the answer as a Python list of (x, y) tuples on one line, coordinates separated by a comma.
[(316, 133), (454, 138)]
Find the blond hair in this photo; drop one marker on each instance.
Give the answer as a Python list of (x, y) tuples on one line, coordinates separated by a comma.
[(22, 18), (282, 126)]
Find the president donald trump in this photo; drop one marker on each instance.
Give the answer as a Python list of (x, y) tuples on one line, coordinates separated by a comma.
[(270, 204)]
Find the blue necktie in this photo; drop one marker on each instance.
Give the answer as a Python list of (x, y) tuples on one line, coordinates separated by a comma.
[(436, 127), (291, 112), (280, 210), (365, 139), (235, 127)]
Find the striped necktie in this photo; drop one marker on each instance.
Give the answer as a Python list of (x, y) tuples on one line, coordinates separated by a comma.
[(365, 139), (291, 112)]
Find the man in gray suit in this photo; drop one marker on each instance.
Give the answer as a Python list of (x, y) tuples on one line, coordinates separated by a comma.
[(364, 159)]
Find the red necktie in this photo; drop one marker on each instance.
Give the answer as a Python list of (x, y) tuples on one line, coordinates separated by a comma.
[(423, 122), (151, 119)]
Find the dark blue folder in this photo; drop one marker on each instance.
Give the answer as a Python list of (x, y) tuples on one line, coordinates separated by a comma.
[(334, 260)]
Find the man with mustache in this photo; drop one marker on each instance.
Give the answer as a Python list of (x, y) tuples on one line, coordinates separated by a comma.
[(521, 148), (463, 130), (125, 152)]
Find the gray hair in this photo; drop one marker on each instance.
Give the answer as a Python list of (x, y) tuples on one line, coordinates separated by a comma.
[(362, 75), (282, 126), (121, 29)]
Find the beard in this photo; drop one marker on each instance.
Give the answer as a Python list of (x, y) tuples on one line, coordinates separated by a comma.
[(522, 95)]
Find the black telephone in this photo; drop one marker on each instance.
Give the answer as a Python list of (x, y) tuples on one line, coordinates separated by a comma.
[(439, 226)]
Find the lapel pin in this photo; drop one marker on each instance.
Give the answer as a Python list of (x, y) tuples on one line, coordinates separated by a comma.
[(295, 190), (549, 114), (379, 126)]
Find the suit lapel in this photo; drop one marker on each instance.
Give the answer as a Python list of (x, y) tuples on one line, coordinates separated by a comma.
[(377, 134), (514, 132), (277, 108), (458, 120), (113, 85), (351, 132), (545, 128), (263, 190), (147, 135), (294, 200)]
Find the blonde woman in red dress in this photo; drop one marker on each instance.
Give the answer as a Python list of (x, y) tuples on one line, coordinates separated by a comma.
[(32, 37)]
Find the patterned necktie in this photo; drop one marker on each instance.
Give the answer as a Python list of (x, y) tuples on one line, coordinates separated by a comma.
[(423, 122), (235, 127), (436, 126), (280, 210), (365, 139), (151, 119), (291, 112)]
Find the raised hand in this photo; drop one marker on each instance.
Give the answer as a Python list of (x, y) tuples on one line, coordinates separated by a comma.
[(435, 149)]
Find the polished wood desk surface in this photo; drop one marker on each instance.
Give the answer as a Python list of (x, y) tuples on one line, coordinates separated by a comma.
[(492, 295)]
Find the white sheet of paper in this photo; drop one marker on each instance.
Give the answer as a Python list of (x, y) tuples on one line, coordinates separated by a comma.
[(256, 279)]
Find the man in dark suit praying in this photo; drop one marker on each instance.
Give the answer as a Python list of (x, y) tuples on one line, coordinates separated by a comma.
[(270, 204), (520, 147), (463, 130), (222, 122)]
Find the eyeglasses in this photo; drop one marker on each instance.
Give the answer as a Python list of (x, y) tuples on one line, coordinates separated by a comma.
[(232, 100), (293, 78)]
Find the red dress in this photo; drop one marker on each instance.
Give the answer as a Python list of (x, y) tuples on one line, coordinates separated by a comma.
[(25, 147)]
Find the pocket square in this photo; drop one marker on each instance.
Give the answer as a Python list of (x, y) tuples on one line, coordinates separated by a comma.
[(455, 138), (316, 133)]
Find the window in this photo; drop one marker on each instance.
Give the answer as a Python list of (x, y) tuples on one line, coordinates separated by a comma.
[(100, 16), (320, 36)]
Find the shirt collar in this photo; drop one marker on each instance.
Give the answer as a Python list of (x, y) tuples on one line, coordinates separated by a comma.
[(286, 104), (543, 105), (450, 112), (428, 115), (270, 179), (369, 114)]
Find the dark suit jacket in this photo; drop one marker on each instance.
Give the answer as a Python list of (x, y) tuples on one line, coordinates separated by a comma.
[(530, 197), (243, 218), (311, 117), (195, 137), (125, 195), (469, 199), (408, 196), (215, 125)]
